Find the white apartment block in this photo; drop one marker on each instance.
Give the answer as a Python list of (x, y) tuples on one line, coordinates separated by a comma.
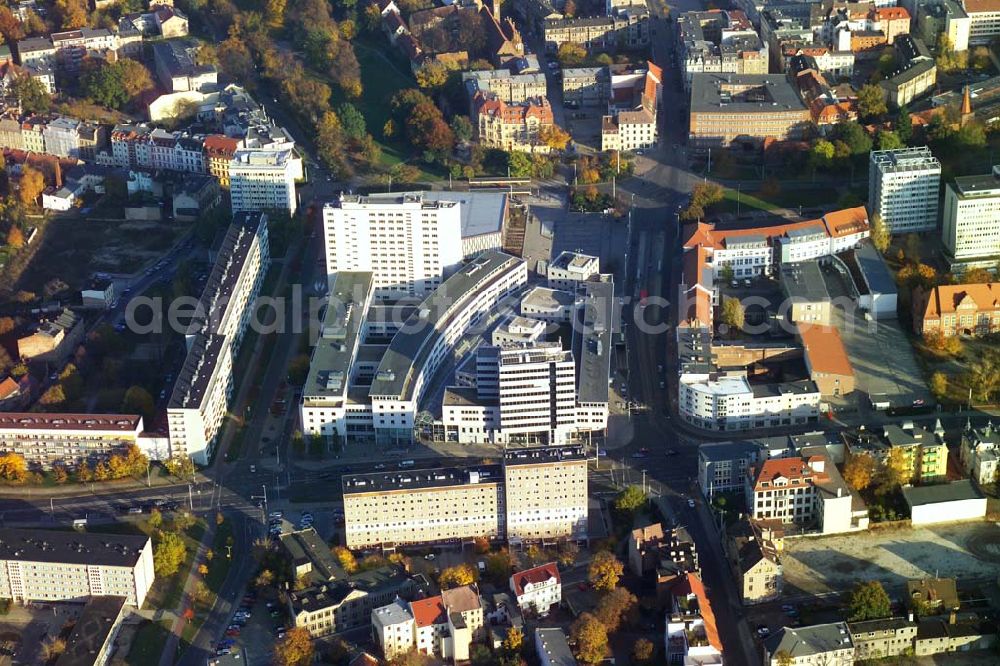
[(204, 385), (629, 130), (571, 268), (537, 394), (728, 402), (536, 494), (69, 439), (48, 566), (393, 627), (972, 217), (444, 625), (537, 589), (903, 187), (410, 241), (984, 20), (261, 180), (980, 453)]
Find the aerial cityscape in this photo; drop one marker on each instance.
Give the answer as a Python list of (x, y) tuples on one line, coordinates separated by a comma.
[(500, 332)]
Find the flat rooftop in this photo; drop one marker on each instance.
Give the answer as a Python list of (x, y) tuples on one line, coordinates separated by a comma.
[(986, 185), (421, 479), (943, 492), (544, 298), (411, 346), (87, 548), (593, 326), (330, 367), (543, 455), (874, 269), (743, 93), (91, 631), (804, 281)]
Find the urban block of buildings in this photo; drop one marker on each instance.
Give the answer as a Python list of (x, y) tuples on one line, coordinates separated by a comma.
[(536, 494), (204, 385), (49, 566), (903, 187), (719, 41), (979, 453), (923, 450), (443, 626), (625, 28), (634, 101)]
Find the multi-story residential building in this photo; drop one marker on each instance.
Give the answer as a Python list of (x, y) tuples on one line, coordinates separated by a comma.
[(943, 16), (754, 557), (263, 180), (47, 566), (348, 603), (917, 71), (719, 41), (443, 625), (903, 187), (586, 86), (569, 269), (507, 86), (410, 241), (980, 453), (177, 68), (741, 109), (957, 309), (219, 153), (971, 227), (537, 589), (729, 402), (626, 28), (73, 46), (545, 494), (551, 644), (692, 635), (36, 52), (809, 493), (536, 394), (511, 126), (924, 451), (62, 137), (723, 466), (883, 638), (92, 639), (831, 64), (984, 20), (828, 644), (204, 385), (534, 495), (653, 548), (69, 439), (629, 130), (170, 22)]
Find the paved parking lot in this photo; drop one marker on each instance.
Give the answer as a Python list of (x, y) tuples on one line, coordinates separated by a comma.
[(24, 629), (832, 564)]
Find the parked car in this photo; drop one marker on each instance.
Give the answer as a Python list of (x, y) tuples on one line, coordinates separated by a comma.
[(691, 503)]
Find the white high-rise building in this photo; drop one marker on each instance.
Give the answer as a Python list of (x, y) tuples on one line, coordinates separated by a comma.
[(903, 187), (537, 394), (407, 242), (972, 217), (261, 180)]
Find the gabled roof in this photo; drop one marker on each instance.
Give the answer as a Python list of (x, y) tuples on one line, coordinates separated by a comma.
[(946, 298), (825, 350), (8, 387), (428, 612), (796, 470), (818, 639), (534, 576), (705, 608), (461, 599)]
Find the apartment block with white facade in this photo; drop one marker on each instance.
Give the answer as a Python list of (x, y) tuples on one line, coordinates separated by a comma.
[(729, 402), (903, 187), (984, 20), (48, 566), (980, 453), (537, 589), (204, 385), (69, 439), (545, 493), (971, 227), (569, 269), (410, 241), (264, 180)]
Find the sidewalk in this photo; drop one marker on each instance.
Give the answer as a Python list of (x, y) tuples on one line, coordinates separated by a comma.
[(70, 490), (172, 644)]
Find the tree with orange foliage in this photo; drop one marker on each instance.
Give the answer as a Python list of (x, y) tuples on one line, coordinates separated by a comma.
[(15, 238), (32, 185)]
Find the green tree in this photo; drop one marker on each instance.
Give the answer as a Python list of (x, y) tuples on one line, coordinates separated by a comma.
[(853, 137), (904, 124), (871, 101), (630, 499), (30, 94), (571, 54), (886, 140), (869, 602), (168, 554), (520, 164), (103, 83), (604, 572), (879, 232), (352, 121), (462, 127), (821, 154)]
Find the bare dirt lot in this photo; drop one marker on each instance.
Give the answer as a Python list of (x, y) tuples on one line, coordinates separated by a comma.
[(833, 564)]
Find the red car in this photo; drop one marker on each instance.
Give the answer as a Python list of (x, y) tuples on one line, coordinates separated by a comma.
[(232, 632)]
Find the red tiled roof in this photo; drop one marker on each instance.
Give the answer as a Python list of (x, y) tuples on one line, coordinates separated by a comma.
[(534, 576), (795, 470), (99, 422), (218, 144), (825, 350), (428, 612), (705, 609), (945, 298), (892, 14), (8, 387), (835, 223)]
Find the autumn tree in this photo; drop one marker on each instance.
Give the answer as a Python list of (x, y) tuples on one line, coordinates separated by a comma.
[(295, 649), (605, 570), (264, 579), (896, 469), (136, 77), (555, 137), (155, 519), (31, 186), (200, 593), (617, 607), (7, 324), (513, 642), (168, 554), (13, 467), (977, 276), (591, 638), (630, 499), (346, 559), (71, 14), (54, 396), (784, 658), (938, 385), (937, 341), (859, 470), (733, 315), (568, 551), (274, 13), (10, 26), (703, 195), (52, 648), (15, 238), (180, 466), (880, 233), (138, 400), (571, 54), (643, 651), (431, 75), (457, 576), (499, 566), (869, 601)]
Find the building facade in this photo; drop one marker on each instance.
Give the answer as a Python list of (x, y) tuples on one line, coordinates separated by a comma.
[(263, 180), (957, 309), (971, 220), (537, 589), (69, 439), (511, 126), (903, 187), (730, 403)]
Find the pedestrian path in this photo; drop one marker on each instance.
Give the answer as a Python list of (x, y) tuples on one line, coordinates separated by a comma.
[(169, 654)]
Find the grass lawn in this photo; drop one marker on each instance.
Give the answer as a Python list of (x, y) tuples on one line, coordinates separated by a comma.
[(218, 568), (147, 644), (785, 198)]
